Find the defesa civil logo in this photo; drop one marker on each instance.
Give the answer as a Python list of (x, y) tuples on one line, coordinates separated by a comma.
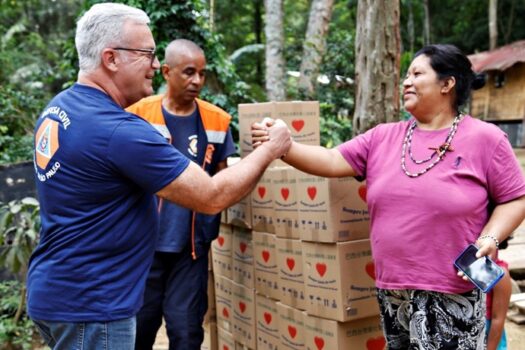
[(46, 142)]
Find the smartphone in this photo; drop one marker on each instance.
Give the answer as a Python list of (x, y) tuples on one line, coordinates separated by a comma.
[(483, 272)]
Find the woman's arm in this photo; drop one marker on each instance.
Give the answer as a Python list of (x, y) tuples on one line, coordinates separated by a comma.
[(505, 218), (315, 160), (500, 304)]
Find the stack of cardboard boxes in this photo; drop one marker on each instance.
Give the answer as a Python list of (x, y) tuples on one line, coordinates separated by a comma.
[(292, 264)]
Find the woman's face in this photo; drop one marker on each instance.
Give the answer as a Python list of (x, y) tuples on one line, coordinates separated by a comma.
[(423, 92)]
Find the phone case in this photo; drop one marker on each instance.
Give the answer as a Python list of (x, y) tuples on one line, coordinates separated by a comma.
[(484, 273)]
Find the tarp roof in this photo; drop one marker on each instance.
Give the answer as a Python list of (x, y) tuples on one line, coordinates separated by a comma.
[(499, 59)]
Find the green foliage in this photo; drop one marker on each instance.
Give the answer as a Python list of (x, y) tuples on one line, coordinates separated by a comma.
[(336, 128), (19, 227), (190, 20), (18, 112), (31, 57), (14, 335), (15, 149)]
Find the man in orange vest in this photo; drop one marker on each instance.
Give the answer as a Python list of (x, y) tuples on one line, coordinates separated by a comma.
[(177, 282)]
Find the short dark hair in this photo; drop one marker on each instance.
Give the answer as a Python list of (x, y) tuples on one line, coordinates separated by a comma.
[(448, 61)]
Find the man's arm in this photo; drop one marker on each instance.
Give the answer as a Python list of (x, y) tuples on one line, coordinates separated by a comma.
[(196, 190)]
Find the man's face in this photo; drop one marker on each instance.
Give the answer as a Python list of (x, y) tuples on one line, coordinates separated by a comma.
[(186, 76), (135, 76)]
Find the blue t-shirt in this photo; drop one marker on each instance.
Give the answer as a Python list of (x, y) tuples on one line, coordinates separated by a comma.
[(97, 170), (189, 137)]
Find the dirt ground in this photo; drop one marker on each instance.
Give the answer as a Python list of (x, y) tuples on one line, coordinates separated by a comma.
[(515, 337)]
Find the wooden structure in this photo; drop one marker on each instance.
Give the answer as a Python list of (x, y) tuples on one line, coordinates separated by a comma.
[(503, 96), (502, 99)]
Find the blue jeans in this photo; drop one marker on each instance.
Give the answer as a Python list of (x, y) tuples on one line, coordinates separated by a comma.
[(114, 335)]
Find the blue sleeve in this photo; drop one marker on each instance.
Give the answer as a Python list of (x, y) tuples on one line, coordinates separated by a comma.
[(139, 152)]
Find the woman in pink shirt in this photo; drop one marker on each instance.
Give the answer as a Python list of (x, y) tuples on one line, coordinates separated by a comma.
[(435, 183)]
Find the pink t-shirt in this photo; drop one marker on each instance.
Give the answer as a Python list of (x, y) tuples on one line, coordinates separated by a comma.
[(418, 226)]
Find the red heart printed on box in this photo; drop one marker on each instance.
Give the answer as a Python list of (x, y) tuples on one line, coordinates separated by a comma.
[(292, 331), (291, 263), (242, 306), (321, 268), (371, 270), (220, 240), (312, 192), (362, 192), (376, 343), (319, 342), (225, 313), (298, 124), (262, 191), (268, 317), (285, 192), (243, 246), (265, 255)]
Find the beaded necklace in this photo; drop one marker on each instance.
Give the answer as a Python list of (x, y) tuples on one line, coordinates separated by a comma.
[(439, 151)]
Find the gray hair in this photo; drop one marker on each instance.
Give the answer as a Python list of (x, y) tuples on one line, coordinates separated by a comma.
[(101, 27)]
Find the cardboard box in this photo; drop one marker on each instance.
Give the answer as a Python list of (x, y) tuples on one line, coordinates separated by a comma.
[(240, 346), (340, 280), (262, 205), (243, 269), (248, 114), (243, 315), (211, 313), (239, 214), (301, 117), (210, 341), (303, 120), (267, 323), (322, 334), (285, 202), (291, 327), (223, 302), (332, 210), (265, 261), (225, 340), (222, 252), (290, 272)]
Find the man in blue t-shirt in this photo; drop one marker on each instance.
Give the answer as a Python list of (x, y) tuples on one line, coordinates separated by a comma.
[(98, 169), (176, 287)]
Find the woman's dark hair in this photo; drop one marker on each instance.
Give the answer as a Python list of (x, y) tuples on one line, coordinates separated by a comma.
[(449, 61)]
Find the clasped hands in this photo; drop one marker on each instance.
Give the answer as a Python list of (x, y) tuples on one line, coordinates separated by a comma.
[(272, 131)]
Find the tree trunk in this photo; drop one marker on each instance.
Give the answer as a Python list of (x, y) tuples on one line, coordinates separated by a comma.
[(410, 26), (510, 21), (426, 34), (212, 15), (377, 64), (493, 24), (257, 29), (314, 45), (275, 76)]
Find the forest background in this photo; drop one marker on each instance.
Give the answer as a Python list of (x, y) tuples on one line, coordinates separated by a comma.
[(38, 60)]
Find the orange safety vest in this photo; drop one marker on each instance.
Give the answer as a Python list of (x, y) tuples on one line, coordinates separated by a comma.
[(214, 120)]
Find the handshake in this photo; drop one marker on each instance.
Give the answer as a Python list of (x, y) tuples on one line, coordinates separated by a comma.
[(273, 133)]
